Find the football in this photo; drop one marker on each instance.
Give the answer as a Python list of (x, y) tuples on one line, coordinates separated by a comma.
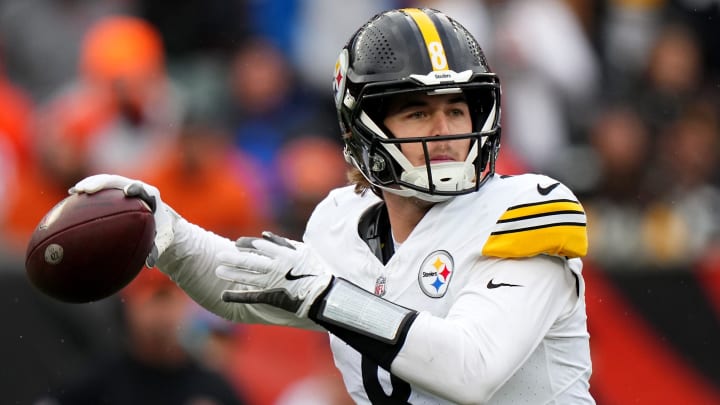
[(90, 246)]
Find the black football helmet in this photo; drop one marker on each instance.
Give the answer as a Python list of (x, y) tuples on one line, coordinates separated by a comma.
[(415, 50)]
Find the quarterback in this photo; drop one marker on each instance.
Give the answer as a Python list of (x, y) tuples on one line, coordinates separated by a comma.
[(438, 280)]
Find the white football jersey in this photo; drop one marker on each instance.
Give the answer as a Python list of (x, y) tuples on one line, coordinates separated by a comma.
[(494, 275), (496, 278)]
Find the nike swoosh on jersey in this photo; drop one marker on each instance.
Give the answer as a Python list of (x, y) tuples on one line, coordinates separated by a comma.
[(546, 190), (292, 277), (491, 284)]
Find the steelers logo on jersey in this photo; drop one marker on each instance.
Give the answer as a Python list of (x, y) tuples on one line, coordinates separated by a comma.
[(435, 273)]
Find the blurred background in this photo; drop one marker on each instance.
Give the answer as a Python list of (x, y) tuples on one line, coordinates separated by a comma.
[(226, 106)]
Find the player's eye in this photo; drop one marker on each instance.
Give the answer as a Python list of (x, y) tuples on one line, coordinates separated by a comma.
[(418, 114), (458, 109)]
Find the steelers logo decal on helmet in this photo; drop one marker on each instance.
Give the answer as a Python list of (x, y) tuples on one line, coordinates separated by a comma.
[(339, 77), (435, 273)]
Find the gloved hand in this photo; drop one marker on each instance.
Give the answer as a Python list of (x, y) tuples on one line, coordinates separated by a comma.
[(164, 216), (275, 271)]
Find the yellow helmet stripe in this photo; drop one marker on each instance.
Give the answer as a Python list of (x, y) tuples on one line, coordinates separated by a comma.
[(430, 34)]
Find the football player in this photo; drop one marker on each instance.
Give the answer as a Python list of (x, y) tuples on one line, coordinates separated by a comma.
[(438, 280)]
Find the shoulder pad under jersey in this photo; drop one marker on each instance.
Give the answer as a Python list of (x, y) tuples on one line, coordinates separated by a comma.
[(544, 217)]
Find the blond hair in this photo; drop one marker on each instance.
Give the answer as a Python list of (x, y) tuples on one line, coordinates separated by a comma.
[(356, 178), (354, 175)]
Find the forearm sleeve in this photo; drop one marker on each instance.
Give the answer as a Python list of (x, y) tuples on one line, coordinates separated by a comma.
[(371, 325)]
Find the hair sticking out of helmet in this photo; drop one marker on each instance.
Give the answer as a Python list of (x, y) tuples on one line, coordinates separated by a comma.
[(415, 51)]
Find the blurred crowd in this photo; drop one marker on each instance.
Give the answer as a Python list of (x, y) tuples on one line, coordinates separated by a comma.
[(225, 105)]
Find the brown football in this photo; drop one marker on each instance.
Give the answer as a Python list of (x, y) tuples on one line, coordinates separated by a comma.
[(90, 246)]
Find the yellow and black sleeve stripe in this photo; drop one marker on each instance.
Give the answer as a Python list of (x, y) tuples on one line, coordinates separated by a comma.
[(556, 227)]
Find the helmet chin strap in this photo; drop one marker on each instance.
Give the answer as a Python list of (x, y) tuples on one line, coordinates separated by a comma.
[(446, 176), (453, 176)]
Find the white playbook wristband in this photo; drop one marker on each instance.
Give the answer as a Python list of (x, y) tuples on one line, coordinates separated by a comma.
[(350, 307)]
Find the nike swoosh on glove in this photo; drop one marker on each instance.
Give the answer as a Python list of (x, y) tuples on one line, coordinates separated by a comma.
[(275, 271), (164, 216)]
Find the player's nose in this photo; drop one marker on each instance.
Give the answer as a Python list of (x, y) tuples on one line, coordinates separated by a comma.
[(440, 124)]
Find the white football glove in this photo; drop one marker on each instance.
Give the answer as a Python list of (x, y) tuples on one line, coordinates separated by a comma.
[(275, 271), (165, 216)]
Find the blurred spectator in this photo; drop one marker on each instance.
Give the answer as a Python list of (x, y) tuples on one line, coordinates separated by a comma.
[(623, 146), (309, 167), (42, 39), (655, 204), (684, 221), (271, 108), (550, 73), (672, 77), (211, 340), (626, 35), (622, 149), (119, 116), (200, 38), (155, 368), (126, 110), (205, 163)]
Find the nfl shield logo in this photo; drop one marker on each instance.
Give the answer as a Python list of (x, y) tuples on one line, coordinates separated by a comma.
[(380, 286), (435, 273)]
